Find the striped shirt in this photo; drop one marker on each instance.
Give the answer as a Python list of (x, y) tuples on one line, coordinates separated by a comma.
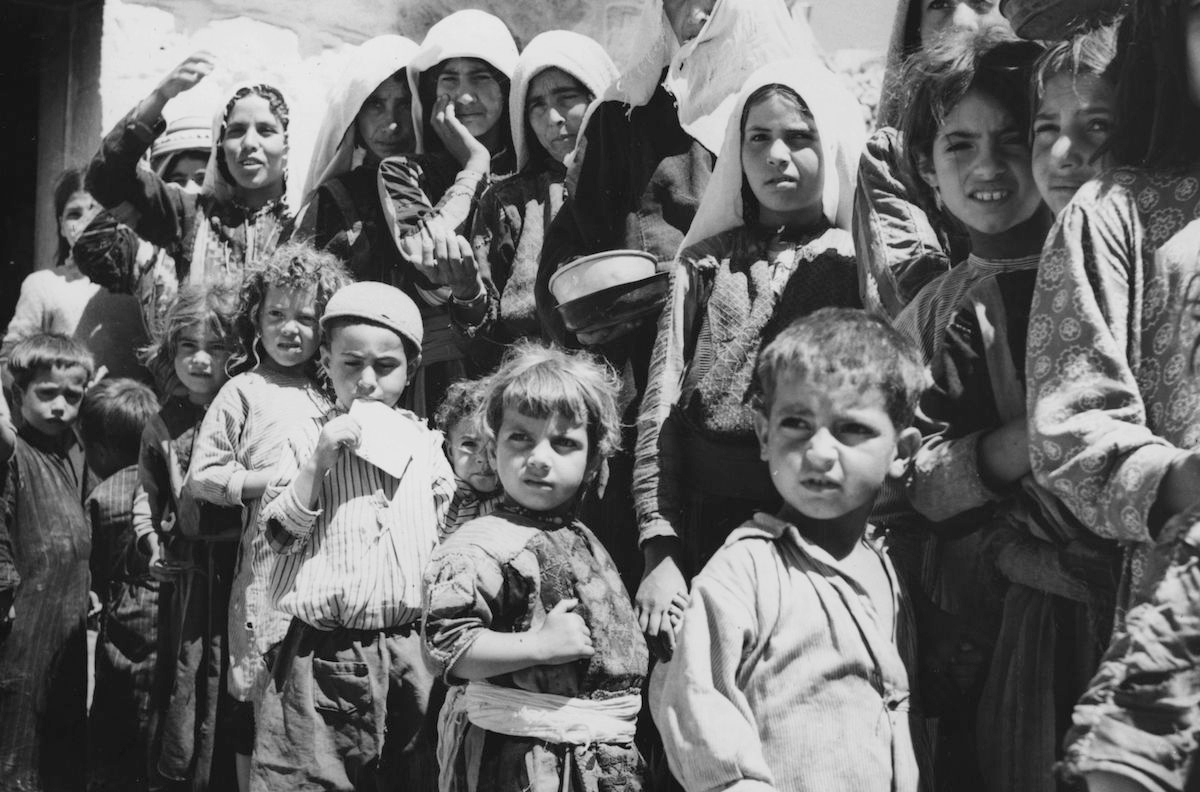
[(467, 504), (356, 560), (244, 429)]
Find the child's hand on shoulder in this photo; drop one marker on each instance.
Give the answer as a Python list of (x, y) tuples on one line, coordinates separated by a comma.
[(564, 636), (342, 432)]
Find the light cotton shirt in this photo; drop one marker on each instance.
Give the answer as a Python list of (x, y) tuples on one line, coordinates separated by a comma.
[(783, 677), (356, 560)]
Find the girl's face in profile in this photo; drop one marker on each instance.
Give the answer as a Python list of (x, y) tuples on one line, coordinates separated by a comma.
[(78, 211), (254, 144), (980, 166), (1073, 120), (782, 163)]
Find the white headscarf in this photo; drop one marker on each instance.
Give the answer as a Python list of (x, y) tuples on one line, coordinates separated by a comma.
[(372, 62), (463, 34), (839, 122), (186, 133), (215, 183), (706, 72), (577, 55)]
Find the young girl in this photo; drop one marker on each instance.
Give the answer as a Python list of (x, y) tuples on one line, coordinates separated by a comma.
[(239, 212), (526, 607), (240, 439), (1114, 397), (191, 547), (1049, 589), (460, 419), (769, 244), (1075, 114)]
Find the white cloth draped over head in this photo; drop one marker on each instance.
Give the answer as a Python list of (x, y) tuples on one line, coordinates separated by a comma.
[(839, 121), (463, 34), (704, 74), (576, 54), (215, 183), (371, 63), (186, 133)]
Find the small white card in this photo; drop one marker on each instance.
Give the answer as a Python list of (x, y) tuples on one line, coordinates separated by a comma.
[(387, 436)]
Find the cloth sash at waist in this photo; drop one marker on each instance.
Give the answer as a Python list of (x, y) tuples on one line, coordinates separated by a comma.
[(721, 469), (552, 718), (440, 342)]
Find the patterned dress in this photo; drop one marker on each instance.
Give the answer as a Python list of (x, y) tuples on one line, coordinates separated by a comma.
[(44, 549), (1114, 334), (505, 572)]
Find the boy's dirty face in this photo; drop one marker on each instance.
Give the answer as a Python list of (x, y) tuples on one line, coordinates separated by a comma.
[(366, 361), (981, 166), (829, 445), (51, 402), (542, 462), (1074, 119), (469, 458)]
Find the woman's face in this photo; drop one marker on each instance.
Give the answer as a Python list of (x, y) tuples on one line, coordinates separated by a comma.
[(939, 17), (384, 122), (981, 166), (477, 95), (555, 105), (78, 211), (1073, 120), (254, 145), (782, 163)]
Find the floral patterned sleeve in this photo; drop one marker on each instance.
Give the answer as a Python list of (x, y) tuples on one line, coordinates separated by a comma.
[(1090, 443)]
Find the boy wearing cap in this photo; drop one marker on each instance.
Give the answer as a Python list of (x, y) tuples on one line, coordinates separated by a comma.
[(353, 541)]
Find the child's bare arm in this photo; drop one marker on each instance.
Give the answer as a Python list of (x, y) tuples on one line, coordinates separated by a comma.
[(562, 638)]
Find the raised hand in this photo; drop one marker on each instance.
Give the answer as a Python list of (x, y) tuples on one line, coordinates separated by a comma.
[(461, 144), (342, 432), (564, 635), (187, 75)]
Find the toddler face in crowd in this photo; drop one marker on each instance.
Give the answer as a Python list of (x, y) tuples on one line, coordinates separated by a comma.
[(830, 444), (541, 462), (288, 324), (200, 358), (50, 403), (781, 159), (981, 166), (468, 455), (1074, 119), (366, 361)]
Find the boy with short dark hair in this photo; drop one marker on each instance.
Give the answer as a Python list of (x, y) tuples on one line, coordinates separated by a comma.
[(355, 508), (44, 549), (112, 418), (788, 674)]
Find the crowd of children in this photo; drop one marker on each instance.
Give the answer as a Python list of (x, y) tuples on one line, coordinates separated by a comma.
[(879, 473)]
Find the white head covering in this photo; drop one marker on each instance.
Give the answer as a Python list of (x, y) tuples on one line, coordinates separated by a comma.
[(577, 55), (463, 34), (706, 72), (186, 133), (372, 62), (839, 122), (215, 183)]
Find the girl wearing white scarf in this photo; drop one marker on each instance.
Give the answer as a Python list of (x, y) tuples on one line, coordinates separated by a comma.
[(556, 77), (369, 118), (769, 243)]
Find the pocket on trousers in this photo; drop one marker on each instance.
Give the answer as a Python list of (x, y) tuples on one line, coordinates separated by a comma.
[(341, 688)]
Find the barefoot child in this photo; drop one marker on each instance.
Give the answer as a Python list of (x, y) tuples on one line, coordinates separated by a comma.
[(190, 549), (352, 539), (241, 436), (44, 546), (526, 608), (788, 675)]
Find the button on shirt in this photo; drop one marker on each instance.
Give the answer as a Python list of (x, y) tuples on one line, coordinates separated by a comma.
[(356, 560)]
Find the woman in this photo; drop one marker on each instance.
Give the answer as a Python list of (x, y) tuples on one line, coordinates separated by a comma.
[(239, 212), (459, 80), (369, 119), (65, 300), (556, 78), (770, 242)]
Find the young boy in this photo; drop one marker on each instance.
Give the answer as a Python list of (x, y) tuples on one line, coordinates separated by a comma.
[(44, 548), (112, 418), (354, 539), (787, 675), (478, 488)]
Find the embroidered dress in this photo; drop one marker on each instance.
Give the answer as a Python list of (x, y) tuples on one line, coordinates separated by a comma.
[(45, 542), (504, 572), (1113, 393)]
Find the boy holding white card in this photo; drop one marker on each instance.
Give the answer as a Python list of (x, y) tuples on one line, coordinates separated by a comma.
[(354, 532)]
